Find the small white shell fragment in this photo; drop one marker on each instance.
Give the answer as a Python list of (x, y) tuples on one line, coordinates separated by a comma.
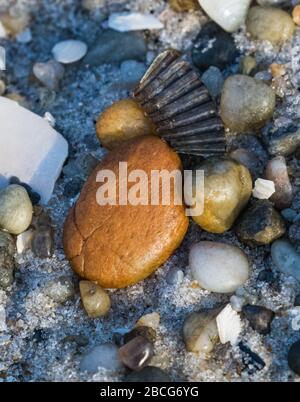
[(24, 37), (24, 241), (69, 51), (30, 149), (229, 325), (263, 189), (229, 14), (50, 119), (124, 22)]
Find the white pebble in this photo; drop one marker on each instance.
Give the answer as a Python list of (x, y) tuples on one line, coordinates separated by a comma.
[(229, 14), (124, 22), (101, 357), (3, 326), (229, 325), (69, 51), (24, 241), (218, 267), (263, 189), (3, 33)]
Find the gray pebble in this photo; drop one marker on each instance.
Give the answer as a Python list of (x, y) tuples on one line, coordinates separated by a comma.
[(101, 357), (286, 259), (289, 214), (213, 80), (174, 276)]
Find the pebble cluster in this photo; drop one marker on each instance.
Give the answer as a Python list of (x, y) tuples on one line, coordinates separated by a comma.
[(224, 304)]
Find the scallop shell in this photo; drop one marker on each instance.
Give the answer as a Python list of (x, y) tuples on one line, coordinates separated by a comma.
[(229, 14), (173, 96)]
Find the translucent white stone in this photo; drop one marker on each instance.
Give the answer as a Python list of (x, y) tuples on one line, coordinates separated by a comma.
[(3, 326), (263, 189), (24, 241), (101, 357), (218, 267), (124, 22), (69, 51), (30, 149), (229, 325), (229, 14)]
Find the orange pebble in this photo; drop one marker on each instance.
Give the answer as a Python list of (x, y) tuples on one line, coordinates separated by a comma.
[(296, 15)]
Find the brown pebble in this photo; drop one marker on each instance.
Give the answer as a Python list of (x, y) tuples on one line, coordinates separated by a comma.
[(137, 353), (277, 172), (296, 15), (277, 70)]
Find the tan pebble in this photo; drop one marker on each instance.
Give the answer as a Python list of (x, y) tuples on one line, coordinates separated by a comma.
[(121, 121), (95, 300), (277, 70), (149, 320), (296, 15)]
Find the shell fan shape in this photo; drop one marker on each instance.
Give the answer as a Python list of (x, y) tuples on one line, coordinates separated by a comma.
[(173, 96)]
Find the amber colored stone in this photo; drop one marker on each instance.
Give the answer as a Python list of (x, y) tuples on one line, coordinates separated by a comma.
[(184, 5), (137, 353), (119, 245), (227, 189), (121, 121)]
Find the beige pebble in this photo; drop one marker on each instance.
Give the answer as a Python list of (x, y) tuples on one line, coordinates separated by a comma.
[(296, 15), (95, 300)]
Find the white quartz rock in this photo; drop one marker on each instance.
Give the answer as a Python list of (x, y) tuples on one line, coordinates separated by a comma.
[(218, 267), (69, 51), (30, 149), (263, 189), (24, 241), (229, 14), (124, 22), (229, 325)]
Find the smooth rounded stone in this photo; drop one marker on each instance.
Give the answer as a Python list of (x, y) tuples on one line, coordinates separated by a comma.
[(227, 190), (7, 250), (149, 320), (259, 318), (200, 331), (277, 171), (264, 76), (261, 224), (113, 47), (148, 374), (229, 14), (246, 104), (102, 357), (137, 353), (60, 290), (132, 71), (184, 5), (146, 332), (15, 209), (34, 196), (213, 80), (289, 214), (246, 158), (69, 51), (218, 267), (263, 189), (294, 358), (95, 300), (24, 241), (294, 235), (121, 121), (270, 23), (174, 277), (213, 47), (49, 74), (14, 23), (248, 64), (286, 258), (153, 232)]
